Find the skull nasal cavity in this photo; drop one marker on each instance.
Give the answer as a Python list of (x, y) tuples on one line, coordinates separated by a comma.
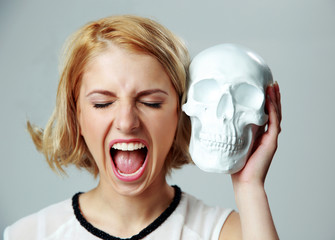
[(225, 107)]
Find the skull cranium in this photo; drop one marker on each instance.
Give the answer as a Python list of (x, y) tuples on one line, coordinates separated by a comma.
[(226, 101)]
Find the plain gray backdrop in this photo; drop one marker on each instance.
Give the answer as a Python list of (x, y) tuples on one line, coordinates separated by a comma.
[(295, 37)]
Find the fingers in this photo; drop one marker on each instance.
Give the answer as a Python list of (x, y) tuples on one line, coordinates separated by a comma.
[(278, 98), (273, 106)]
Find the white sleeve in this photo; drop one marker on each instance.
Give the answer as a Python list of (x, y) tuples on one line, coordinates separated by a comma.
[(25, 228), (39, 225), (206, 221), (5, 234), (221, 220)]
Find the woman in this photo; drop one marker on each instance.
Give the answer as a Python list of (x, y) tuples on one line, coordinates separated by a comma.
[(118, 115)]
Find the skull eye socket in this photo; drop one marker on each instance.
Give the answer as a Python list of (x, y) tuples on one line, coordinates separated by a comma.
[(249, 96), (205, 90)]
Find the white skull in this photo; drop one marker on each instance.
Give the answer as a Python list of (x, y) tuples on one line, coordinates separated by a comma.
[(226, 101)]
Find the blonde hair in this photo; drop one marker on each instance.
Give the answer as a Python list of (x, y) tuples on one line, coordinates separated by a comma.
[(61, 141)]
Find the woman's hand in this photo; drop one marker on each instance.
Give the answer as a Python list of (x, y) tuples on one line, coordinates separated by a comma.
[(265, 146)]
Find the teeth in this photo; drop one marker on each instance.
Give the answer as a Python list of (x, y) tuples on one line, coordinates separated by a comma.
[(128, 146), (218, 142)]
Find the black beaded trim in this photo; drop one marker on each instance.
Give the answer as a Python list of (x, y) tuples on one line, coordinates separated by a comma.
[(153, 226)]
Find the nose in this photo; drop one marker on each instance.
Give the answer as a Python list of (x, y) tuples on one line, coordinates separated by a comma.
[(126, 119), (225, 108)]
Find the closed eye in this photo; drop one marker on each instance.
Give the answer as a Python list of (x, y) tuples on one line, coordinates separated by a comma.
[(102, 105), (152, 104)]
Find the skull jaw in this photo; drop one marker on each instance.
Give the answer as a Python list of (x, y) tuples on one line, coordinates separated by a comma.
[(218, 160)]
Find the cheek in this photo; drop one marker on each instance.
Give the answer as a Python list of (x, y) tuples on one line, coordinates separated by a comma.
[(92, 130), (165, 130), (86, 121)]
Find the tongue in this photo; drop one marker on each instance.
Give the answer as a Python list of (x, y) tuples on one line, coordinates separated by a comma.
[(128, 161)]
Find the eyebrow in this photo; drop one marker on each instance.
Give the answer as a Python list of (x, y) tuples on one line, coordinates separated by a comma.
[(140, 94), (102, 92), (151, 91)]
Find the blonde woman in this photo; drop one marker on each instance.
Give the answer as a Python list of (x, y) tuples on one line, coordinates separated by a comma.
[(118, 115)]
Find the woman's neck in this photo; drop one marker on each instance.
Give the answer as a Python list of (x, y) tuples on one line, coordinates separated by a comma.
[(125, 215)]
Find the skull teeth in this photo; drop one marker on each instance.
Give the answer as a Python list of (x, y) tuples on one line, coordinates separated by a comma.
[(219, 142)]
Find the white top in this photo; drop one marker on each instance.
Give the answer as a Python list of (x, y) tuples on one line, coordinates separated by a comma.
[(192, 219)]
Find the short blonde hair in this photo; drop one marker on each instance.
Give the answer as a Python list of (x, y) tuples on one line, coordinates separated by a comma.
[(61, 141)]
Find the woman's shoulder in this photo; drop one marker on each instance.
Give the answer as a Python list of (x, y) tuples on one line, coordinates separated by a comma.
[(199, 219), (42, 223), (195, 207)]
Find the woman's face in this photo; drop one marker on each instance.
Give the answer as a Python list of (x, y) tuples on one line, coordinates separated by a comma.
[(128, 113)]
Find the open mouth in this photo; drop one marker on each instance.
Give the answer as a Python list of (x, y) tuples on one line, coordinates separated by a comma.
[(129, 160)]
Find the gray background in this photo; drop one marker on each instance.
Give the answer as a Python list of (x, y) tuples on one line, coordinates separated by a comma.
[(296, 38)]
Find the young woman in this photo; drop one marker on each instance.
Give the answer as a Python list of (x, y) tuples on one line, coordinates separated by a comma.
[(118, 114)]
